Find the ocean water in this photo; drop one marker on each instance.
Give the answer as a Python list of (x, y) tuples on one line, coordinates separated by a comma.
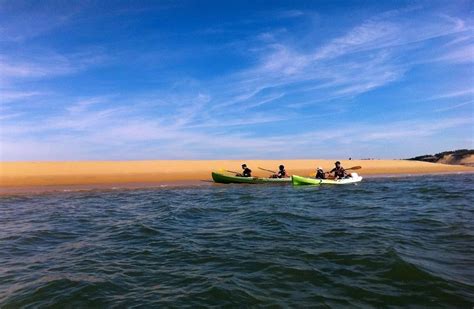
[(386, 242)]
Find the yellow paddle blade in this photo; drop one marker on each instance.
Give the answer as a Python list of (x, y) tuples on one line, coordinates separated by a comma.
[(354, 168)]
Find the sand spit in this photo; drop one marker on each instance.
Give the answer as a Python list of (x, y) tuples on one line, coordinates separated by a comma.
[(24, 174)]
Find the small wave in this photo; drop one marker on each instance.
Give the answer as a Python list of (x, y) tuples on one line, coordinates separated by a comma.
[(145, 229), (56, 290), (403, 271)]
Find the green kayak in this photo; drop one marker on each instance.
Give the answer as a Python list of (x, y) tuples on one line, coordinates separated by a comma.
[(299, 180), (224, 178)]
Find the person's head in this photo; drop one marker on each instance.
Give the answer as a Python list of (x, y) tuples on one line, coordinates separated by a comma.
[(337, 163), (244, 166), (320, 168), (281, 167)]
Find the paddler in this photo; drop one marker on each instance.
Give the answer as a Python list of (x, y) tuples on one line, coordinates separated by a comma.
[(320, 174), (246, 171), (339, 171), (281, 172)]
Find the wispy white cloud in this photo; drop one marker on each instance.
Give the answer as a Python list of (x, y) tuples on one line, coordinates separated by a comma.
[(456, 106), (289, 13), (191, 110), (83, 104), (463, 54), (12, 95), (47, 63), (370, 35), (18, 70), (229, 123), (469, 92), (378, 33), (21, 20), (414, 128), (6, 116)]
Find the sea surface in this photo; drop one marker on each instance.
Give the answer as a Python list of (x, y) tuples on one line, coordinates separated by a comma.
[(386, 242)]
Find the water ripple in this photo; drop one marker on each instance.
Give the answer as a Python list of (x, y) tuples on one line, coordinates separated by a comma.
[(396, 242)]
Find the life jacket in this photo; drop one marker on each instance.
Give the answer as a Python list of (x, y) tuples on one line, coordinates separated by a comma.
[(281, 174), (247, 172), (320, 174), (339, 172)]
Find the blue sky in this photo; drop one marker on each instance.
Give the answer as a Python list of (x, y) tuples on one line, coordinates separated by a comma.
[(123, 80)]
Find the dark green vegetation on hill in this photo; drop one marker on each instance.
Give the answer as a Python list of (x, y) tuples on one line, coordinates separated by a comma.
[(460, 156)]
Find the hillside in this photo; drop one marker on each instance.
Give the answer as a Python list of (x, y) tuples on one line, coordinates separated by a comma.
[(457, 157)]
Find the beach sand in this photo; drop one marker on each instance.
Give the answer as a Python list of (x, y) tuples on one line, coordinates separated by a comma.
[(34, 174)]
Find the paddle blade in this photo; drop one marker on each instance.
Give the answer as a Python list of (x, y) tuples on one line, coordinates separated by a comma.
[(354, 168)]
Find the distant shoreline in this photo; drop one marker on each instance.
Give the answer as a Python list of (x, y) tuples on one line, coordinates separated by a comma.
[(22, 176)]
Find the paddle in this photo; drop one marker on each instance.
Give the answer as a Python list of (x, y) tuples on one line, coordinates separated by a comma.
[(358, 167), (236, 173), (264, 169), (273, 172), (354, 168), (224, 170)]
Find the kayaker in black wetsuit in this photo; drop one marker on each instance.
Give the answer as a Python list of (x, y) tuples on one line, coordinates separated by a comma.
[(320, 174), (339, 171), (281, 172), (246, 173)]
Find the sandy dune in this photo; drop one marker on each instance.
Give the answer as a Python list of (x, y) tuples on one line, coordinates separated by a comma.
[(450, 159), (21, 174)]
